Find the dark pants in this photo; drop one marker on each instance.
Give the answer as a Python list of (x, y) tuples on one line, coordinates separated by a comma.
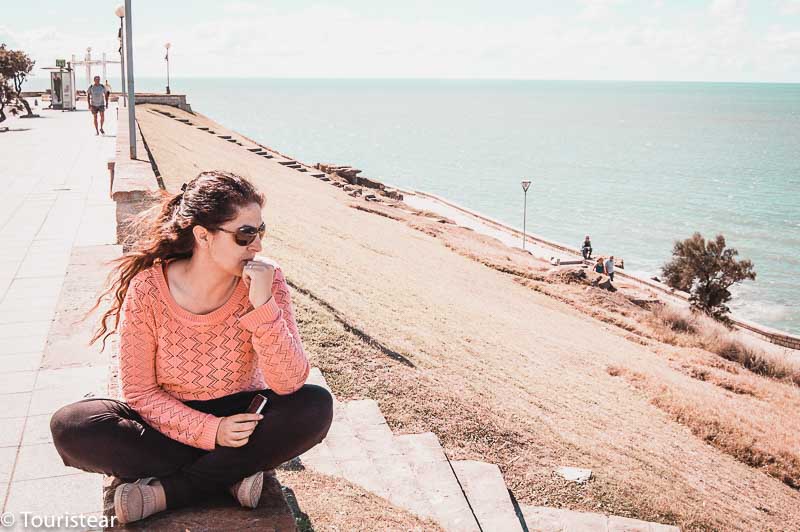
[(611, 276), (587, 253), (108, 436)]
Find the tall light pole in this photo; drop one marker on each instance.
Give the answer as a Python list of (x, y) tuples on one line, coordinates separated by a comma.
[(166, 58), (131, 96), (525, 185), (120, 12)]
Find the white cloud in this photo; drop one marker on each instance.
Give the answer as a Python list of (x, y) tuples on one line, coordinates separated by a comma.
[(784, 41), (790, 7), (598, 9), (728, 10), (710, 44)]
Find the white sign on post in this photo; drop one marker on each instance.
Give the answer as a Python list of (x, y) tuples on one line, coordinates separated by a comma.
[(68, 96)]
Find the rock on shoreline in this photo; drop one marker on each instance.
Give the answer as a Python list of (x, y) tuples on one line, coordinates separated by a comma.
[(350, 176)]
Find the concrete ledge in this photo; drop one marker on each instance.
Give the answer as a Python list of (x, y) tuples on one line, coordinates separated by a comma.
[(175, 100), (134, 185), (774, 336)]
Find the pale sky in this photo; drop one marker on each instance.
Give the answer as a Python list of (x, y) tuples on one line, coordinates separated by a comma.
[(680, 40)]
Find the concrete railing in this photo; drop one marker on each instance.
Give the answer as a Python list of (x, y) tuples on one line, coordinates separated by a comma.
[(175, 100), (772, 335), (134, 185)]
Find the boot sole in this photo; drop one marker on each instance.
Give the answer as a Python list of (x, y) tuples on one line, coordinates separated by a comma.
[(250, 492)]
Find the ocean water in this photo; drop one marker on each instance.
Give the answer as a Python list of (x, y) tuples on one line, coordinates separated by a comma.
[(636, 165)]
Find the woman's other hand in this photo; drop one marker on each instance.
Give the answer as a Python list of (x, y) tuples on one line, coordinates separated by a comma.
[(258, 276)]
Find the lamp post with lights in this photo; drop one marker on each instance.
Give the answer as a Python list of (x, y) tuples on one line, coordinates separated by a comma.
[(525, 185), (120, 12), (166, 58)]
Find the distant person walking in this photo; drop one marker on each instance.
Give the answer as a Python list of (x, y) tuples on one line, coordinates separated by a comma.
[(586, 248), (609, 265), (97, 96), (107, 85)]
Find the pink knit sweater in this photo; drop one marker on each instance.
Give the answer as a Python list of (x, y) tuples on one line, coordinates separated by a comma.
[(169, 355)]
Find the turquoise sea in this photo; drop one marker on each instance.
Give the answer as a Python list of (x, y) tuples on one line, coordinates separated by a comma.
[(636, 165)]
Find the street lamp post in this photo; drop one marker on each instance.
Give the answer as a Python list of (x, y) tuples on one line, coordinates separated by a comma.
[(525, 185), (131, 96), (120, 12), (166, 58)]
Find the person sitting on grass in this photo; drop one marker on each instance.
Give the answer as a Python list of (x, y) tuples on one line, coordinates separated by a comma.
[(599, 267), (206, 324), (586, 248)]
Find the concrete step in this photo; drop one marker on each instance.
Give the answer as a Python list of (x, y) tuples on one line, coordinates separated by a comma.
[(556, 520), (391, 464), (320, 458), (434, 475), (487, 494), (349, 453), (287, 163)]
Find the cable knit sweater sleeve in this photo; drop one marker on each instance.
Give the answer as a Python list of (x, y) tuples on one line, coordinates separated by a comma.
[(138, 346), (276, 341)]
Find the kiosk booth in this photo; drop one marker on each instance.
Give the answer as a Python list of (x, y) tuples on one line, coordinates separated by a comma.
[(62, 86)]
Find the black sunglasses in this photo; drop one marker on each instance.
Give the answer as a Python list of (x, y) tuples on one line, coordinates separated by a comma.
[(245, 235)]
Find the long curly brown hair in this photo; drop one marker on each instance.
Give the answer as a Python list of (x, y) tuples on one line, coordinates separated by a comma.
[(164, 232)]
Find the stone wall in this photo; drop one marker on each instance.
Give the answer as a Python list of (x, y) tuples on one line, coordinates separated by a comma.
[(772, 335), (349, 175), (175, 100), (134, 185)]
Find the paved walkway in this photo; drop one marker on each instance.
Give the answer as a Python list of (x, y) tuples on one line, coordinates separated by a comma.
[(55, 203), (537, 250)]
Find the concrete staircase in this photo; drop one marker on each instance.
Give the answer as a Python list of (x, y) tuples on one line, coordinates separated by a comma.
[(413, 472)]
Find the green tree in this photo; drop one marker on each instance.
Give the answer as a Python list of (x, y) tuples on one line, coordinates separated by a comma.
[(15, 67), (707, 269)]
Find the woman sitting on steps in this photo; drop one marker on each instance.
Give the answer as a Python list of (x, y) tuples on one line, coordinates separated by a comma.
[(205, 326)]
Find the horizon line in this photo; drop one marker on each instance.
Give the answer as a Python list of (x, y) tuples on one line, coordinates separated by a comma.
[(355, 78)]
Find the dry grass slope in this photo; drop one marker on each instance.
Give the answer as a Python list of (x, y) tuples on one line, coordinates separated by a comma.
[(455, 333)]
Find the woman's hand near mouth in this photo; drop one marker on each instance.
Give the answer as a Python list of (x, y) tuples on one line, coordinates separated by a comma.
[(258, 276)]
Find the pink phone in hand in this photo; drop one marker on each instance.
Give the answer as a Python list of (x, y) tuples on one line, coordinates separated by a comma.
[(257, 404)]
